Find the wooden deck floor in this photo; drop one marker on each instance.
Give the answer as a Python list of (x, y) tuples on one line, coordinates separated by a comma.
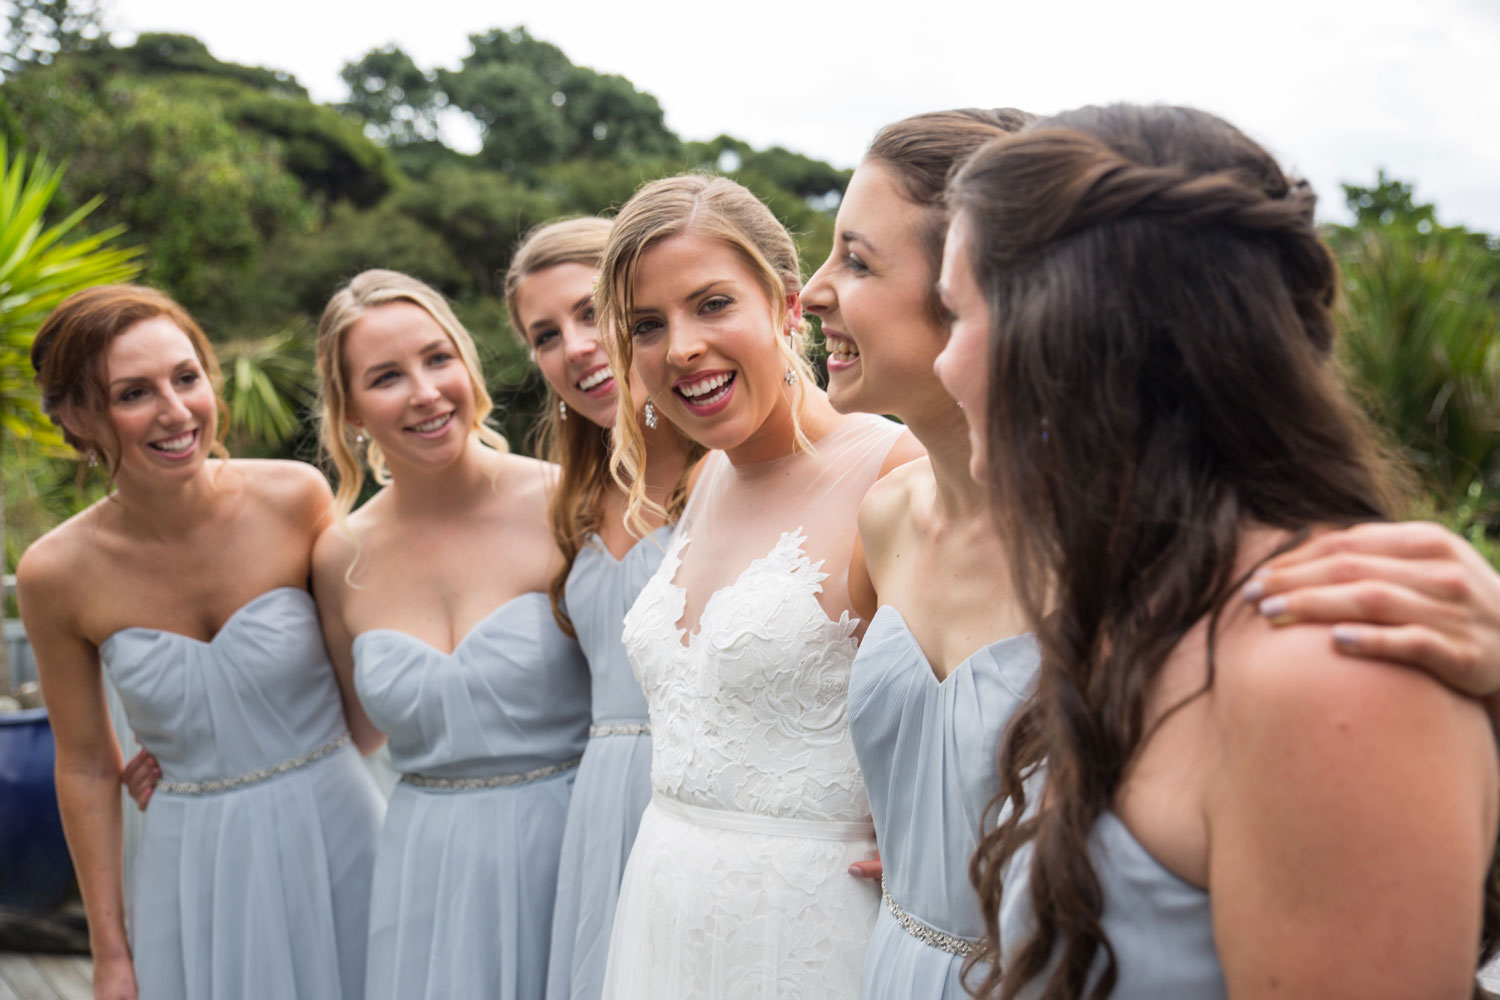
[(45, 977)]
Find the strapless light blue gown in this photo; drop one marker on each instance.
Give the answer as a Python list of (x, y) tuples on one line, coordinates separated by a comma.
[(614, 780), (928, 752), (1161, 927), (487, 739), (252, 878)]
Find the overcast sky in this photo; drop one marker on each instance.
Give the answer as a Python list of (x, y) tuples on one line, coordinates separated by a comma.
[(1335, 88)]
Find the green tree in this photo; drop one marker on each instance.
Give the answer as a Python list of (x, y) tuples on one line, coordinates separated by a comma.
[(40, 265), (38, 31), (398, 101)]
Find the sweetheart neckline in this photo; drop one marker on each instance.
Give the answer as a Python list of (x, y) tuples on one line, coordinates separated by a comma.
[(603, 549), (466, 636), (966, 663), (224, 627)]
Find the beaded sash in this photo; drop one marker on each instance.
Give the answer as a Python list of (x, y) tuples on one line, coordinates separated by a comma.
[(620, 729), (489, 781), (942, 940), (253, 777)]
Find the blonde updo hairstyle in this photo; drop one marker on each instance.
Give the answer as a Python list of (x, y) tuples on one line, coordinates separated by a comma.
[(718, 208), (366, 291)]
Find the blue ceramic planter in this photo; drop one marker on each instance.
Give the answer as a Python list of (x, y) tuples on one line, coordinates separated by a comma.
[(35, 870)]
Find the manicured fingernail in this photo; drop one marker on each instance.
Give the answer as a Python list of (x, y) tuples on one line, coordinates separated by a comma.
[(1254, 590), (1345, 636), (1273, 607), (854, 870)]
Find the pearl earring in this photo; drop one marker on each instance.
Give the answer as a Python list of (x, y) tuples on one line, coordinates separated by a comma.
[(562, 410), (650, 414)]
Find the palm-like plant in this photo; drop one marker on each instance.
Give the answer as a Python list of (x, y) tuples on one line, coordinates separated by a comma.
[(1422, 338), (39, 267), (267, 383)]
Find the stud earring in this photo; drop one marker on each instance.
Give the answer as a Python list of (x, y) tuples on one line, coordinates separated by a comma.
[(562, 410), (650, 415), (790, 376)]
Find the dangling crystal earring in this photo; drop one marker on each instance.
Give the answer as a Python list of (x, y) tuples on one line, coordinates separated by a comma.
[(93, 458), (359, 439), (562, 410), (650, 414), (791, 375)]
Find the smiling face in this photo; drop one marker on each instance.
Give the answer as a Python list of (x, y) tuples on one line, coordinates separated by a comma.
[(161, 403), (556, 308), (408, 389), (872, 296), (963, 366), (704, 339)]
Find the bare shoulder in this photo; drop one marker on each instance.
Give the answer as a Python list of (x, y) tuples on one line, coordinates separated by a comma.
[(283, 483), (1286, 695), (334, 551), (528, 479), (887, 505), (53, 562)]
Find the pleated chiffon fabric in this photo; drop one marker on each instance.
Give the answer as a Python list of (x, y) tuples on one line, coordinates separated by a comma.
[(262, 889), (465, 878), (927, 751), (614, 780)]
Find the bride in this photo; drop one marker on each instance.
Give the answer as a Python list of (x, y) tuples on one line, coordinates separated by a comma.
[(738, 882)]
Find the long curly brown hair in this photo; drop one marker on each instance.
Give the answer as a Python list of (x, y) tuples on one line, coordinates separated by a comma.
[(1158, 264)]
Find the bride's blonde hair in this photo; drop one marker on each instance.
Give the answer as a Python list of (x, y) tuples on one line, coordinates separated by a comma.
[(718, 208)]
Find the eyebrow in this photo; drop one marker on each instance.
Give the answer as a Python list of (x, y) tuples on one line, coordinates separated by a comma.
[(852, 236), (129, 379), (382, 366)]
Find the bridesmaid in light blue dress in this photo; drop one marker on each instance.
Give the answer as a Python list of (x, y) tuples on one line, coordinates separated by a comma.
[(944, 664), (434, 600), (549, 291), (187, 586)]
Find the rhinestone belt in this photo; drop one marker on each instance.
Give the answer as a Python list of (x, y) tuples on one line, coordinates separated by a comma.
[(229, 784), (492, 781), (620, 729), (942, 940)]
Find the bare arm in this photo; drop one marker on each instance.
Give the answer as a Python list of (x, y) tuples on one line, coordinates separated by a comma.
[(88, 763), (1351, 826), (332, 556)]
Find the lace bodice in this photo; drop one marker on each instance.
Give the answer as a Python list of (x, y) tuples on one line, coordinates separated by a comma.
[(751, 713)]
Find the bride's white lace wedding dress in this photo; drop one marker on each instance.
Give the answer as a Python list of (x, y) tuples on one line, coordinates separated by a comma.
[(738, 884)]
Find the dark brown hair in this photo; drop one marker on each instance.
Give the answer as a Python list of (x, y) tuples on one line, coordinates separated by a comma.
[(924, 151), (1159, 264), (68, 357)]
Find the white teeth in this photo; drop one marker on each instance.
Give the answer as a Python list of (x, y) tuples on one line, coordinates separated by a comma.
[(176, 445), (589, 381), (843, 350), (432, 424), (696, 389)]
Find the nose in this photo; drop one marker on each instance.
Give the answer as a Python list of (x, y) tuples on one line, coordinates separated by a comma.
[(817, 294), (424, 391), (580, 341), (173, 409), (684, 344)]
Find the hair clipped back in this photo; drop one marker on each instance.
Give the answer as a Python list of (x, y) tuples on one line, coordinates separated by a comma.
[(68, 356), (1160, 265), (717, 208), (365, 291), (923, 151)]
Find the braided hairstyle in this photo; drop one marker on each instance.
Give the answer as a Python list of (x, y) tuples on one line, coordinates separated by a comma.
[(1159, 264)]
